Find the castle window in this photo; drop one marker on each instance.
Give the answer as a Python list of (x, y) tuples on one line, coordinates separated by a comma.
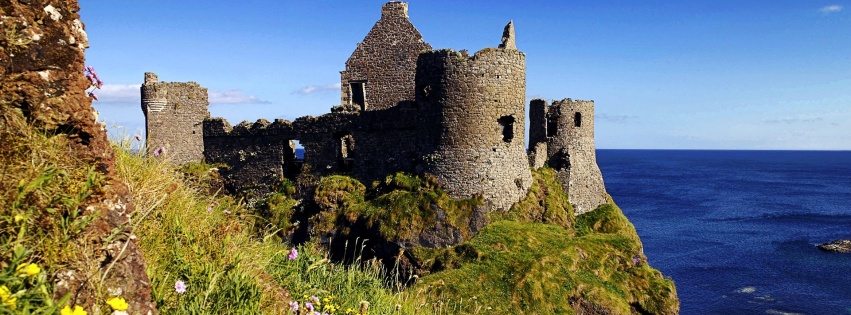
[(293, 158), (552, 126), (358, 89), (577, 119), (507, 125), (345, 155)]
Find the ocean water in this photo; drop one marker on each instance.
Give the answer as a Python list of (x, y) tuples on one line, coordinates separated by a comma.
[(736, 230)]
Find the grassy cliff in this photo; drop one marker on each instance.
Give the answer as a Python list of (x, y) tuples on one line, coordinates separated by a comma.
[(535, 258)]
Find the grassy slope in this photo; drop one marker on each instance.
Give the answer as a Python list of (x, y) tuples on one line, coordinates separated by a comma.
[(534, 268), (227, 268), (535, 258), (515, 265)]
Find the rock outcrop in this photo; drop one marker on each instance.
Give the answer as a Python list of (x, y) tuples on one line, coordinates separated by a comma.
[(43, 89), (838, 246)]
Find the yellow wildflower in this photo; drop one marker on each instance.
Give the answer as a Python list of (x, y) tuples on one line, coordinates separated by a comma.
[(117, 303), (6, 297), (19, 218), (77, 310), (28, 269)]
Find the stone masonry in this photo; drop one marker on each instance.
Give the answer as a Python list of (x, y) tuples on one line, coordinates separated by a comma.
[(174, 112), (380, 72), (407, 108), (481, 99), (567, 129)]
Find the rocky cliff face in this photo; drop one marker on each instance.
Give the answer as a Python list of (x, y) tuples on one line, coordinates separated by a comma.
[(43, 90)]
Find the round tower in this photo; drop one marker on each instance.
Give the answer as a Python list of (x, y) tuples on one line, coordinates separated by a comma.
[(480, 102), (572, 153), (154, 100)]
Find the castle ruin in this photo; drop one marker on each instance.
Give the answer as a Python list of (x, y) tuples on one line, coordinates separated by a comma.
[(405, 108)]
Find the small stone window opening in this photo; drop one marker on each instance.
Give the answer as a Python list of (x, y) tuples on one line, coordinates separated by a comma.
[(358, 89), (577, 119), (552, 126), (346, 152), (293, 159), (507, 125)]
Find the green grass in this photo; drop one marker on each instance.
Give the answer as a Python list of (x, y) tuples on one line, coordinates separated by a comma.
[(227, 267), (534, 268), (401, 207), (42, 221)]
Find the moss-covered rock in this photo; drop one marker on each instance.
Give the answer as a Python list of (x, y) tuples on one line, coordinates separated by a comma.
[(546, 202), (533, 268)]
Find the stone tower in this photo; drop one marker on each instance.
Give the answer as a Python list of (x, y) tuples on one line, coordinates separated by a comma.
[(567, 128), (380, 72), (481, 105), (174, 113)]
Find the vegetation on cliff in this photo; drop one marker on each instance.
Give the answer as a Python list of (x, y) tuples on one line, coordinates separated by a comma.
[(209, 253), (534, 258)]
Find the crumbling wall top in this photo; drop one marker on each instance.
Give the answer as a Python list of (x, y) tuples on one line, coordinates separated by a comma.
[(151, 77), (394, 8), (508, 41)]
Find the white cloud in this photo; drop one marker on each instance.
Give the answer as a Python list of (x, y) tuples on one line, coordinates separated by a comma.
[(614, 118), (119, 93), (830, 9), (130, 93), (794, 120), (233, 97), (315, 89)]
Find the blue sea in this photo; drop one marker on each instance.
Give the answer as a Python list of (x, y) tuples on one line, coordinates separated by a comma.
[(737, 230)]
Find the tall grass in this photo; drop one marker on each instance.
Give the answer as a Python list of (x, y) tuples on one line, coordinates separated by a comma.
[(42, 191), (211, 245)]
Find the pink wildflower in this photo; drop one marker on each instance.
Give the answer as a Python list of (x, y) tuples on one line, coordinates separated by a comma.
[(314, 299), (308, 306), (138, 138), (226, 211), (93, 96), (293, 255), (179, 287), (293, 306), (159, 151), (211, 206)]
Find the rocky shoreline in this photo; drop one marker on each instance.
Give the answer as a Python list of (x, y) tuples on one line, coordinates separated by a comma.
[(838, 246)]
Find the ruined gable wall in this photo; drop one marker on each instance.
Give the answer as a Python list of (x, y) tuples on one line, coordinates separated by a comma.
[(475, 97), (572, 152), (386, 59), (174, 112), (259, 155)]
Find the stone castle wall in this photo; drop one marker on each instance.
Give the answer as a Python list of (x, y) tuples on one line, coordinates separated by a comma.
[(458, 117), (258, 155), (174, 112), (481, 100), (385, 61), (567, 127)]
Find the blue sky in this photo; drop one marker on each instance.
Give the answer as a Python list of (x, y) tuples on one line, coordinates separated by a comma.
[(717, 74)]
